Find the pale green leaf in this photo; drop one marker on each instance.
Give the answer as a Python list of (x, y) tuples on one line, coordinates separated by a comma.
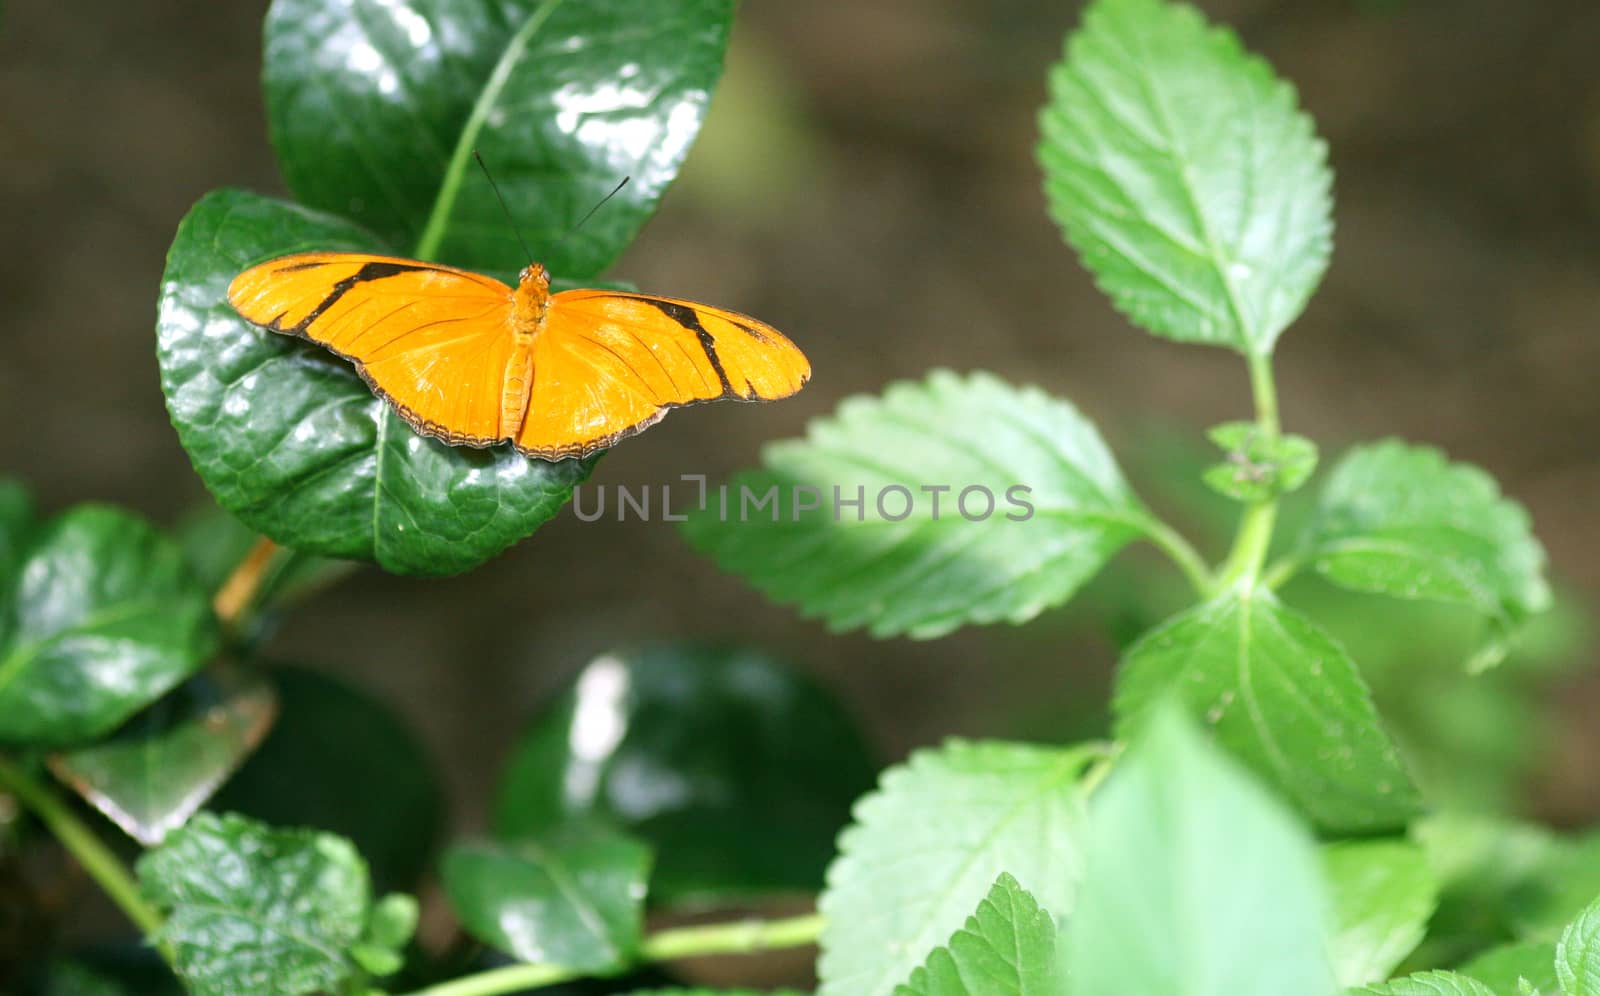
[(1430, 984), (1504, 969), (1007, 948), (1383, 893), (1578, 954)]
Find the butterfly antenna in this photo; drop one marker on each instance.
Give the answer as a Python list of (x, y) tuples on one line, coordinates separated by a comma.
[(497, 196), (602, 203)]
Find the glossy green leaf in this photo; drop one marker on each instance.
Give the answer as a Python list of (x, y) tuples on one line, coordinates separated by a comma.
[(1185, 175), (1257, 468), (1197, 882), (1578, 954), (1403, 521), (1507, 968), (1007, 948), (163, 765), (1282, 695), (574, 897), (975, 502), (928, 845), (1383, 893), (375, 108), (289, 439), (252, 909), (339, 760), (752, 768), (1431, 984), (104, 617)]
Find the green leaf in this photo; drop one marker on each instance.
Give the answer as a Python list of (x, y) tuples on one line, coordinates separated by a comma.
[(1185, 175), (764, 765), (289, 439), (16, 523), (1402, 521), (339, 760), (927, 846), (163, 765), (254, 909), (1197, 881), (375, 109), (1007, 948), (574, 897), (214, 543), (1258, 469), (1507, 967), (1282, 696), (1383, 893), (104, 617), (1430, 984), (1578, 954), (1044, 508)]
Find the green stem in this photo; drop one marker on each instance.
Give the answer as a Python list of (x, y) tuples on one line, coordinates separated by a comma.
[(1172, 543), (439, 218), (742, 937), (102, 865), (1277, 575), (1250, 544)]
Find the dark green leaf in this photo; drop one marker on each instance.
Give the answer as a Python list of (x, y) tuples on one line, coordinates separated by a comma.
[(928, 845), (1383, 893), (1031, 506), (764, 766), (1283, 697), (291, 441), (1258, 468), (104, 618), (1197, 882), (376, 107), (1505, 968), (1007, 948), (1402, 521), (1185, 175), (251, 909), (67, 978), (1430, 984), (163, 765), (1578, 954), (574, 897), (341, 761)]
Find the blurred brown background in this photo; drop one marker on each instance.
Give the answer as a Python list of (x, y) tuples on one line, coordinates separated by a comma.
[(867, 184)]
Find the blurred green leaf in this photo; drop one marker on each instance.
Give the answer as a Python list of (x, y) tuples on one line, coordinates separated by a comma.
[(738, 769), (1505, 968), (1282, 696), (252, 909), (290, 440), (104, 617), (1383, 893), (1007, 948), (215, 542), (928, 845), (16, 523), (375, 108), (1578, 954), (1564, 883), (1402, 521), (1197, 882), (1486, 867), (1258, 468), (1430, 984), (1048, 508), (339, 760), (574, 897), (1186, 177), (68, 978), (163, 765)]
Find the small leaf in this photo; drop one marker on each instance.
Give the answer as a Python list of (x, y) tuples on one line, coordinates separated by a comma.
[(104, 617), (1507, 967), (375, 108), (1578, 954), (1383, 894), (764, 764), (1197, 881), (1007, 948), (394, 920), (978, 502), (254, 909), (929, 844), (1283, 697), (1185, 175), (1259, 469), (290, 440), (163, 765), (1402, 521), (1429, 984), (573, 898)]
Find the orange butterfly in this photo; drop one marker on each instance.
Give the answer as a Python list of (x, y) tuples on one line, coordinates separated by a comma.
[(466, 359)]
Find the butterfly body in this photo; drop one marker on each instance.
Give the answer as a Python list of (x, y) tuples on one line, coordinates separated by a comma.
[(466, 359)]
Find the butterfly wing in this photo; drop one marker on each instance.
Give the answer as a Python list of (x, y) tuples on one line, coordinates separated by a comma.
[(433, 340), (609, 364)]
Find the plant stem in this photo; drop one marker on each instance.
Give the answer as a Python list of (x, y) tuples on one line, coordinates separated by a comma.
[(740, 937), (1172, 543), (1255, 529), (102, 865), (241, 586)]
